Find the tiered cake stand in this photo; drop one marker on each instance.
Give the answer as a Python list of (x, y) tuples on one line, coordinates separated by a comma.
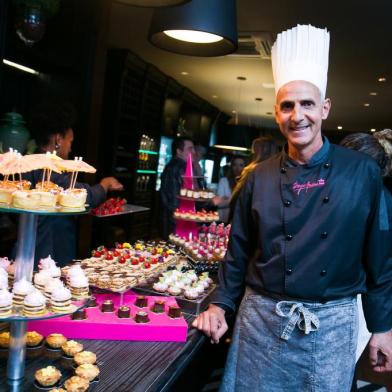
[(186, 227), (24, 265)]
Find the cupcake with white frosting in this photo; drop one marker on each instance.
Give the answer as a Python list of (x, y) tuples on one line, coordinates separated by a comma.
[(79, 286), (3, 279), (41, 278), (20, 290), (4, 263), (51, 285), (60, 300), (34, 304), (5, 303)]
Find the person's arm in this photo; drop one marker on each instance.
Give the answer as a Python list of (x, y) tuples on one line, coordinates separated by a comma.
[(231, 271), (222, 200), (377, 304)]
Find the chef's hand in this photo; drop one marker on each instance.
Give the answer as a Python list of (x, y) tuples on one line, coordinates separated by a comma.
[(380, 352), (212, 322), (111, 184)]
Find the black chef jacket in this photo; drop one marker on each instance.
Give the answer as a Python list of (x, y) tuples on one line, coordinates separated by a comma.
[(316, 232), (56, 235)]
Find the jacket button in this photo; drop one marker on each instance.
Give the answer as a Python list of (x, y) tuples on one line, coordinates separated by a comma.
[(289, 271), (289, 237), (287, 203), (324, 235), (283, 170), (323, 273), (326, 199), (327, 165)]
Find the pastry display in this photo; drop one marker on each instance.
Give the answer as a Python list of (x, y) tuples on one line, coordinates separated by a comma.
[(76, 384), (124, 266), (33, 339), (55, 340), (48, 376), (34, 304), (197, 216), (87, 371), (187, 284), (46, 195), (5, 302), (4, 339), (85, 357), (71, 347)]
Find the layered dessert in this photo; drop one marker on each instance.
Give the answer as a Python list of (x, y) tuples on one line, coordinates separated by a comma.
[(26, 199), (79, 286), (20, 290), (5, 303), (60, 300), (34, 304), (73, 198)]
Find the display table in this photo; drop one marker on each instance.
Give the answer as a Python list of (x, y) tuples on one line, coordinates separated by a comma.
[(128, 366)]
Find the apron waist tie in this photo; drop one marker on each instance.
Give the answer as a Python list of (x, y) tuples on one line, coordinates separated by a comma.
[(297, 315)]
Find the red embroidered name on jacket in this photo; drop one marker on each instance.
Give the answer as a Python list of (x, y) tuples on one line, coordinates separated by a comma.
[(298, 188)]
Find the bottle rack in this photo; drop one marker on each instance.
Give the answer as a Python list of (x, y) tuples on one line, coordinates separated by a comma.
[(24, 265)]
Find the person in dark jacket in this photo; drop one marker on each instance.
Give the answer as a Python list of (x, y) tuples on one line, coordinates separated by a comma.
[(307, 237), (171, 182), (52, 128)]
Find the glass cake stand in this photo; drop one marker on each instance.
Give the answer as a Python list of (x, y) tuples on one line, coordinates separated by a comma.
[(24, 264)]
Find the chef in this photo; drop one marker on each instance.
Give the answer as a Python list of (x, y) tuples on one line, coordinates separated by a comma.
[(306, 238)]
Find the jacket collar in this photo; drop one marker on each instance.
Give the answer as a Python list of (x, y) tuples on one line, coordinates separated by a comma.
[(319, 157)]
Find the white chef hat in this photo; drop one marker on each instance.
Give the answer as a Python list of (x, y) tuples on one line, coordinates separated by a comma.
[(301, 53)]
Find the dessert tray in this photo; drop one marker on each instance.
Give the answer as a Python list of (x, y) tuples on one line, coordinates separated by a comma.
[(144, 322), (126, 209), (58, 210)]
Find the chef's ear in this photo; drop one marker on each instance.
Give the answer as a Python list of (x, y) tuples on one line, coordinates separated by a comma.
[(326, 108)]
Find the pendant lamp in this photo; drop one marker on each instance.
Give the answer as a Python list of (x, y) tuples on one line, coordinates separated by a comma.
[(202, 28), (153, 3)]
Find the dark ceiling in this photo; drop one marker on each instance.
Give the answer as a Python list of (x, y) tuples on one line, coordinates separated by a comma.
[(360, 53)]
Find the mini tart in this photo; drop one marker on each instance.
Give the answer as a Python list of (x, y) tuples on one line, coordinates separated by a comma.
[(47, 376), (4, 339), (33, 339), (85, 357), (76, 384), (71, 348), (87, 371), (56, 340)]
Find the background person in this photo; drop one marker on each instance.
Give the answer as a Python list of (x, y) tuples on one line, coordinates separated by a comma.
[(52, 128)]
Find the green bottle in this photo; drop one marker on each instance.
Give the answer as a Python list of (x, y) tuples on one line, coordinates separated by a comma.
[(13, 133)]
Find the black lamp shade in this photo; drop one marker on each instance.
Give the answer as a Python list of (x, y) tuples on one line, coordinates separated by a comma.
[(232, 136), (154, 3), (217, 17)]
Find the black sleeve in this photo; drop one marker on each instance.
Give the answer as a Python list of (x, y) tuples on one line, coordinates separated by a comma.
[(170, 187), (377, 303), (233, 269)]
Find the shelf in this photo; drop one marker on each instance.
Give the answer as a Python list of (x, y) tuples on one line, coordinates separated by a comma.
[(49, 315), (148, 152), (196, 221), (128, 209), (44, 211), (141, 171), (201, 200)]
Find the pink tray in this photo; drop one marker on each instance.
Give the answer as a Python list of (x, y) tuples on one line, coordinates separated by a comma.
[(107, 326)]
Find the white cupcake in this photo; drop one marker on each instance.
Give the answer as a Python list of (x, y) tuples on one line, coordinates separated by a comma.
[(5, 303), (20, 290), (34, 304), (46, 263), (161, 287), (41, 278), (191, 293), (79, 286), (52, 284), (60, 300), (3, 279)]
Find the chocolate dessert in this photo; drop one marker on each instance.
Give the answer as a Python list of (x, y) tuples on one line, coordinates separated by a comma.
[(92, 303), (142, 317), (174, 311), (80, 314), (141, 301), (158, 307), (124, 312), (107, 306)]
